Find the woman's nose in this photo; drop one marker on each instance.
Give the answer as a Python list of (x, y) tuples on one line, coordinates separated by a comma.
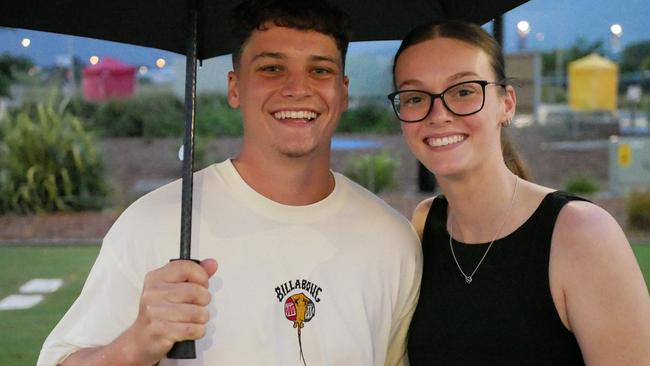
[(439, 114)]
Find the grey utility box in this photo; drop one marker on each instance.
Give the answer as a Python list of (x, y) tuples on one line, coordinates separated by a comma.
[(629, 164)]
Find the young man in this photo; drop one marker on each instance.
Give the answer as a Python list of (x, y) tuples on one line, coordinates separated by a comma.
[(313, 269)]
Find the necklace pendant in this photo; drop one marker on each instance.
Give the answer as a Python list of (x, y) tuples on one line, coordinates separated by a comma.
[(468, 279)]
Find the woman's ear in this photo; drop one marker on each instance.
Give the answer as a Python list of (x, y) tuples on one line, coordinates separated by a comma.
[(509, 103)]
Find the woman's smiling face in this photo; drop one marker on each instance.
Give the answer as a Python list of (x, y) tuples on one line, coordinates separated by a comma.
[(447, 144)]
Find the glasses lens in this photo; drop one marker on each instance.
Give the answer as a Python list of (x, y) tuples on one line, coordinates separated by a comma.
[(465, 98), (411, 105)]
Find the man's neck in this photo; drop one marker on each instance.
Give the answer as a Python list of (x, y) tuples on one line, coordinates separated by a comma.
[(290, 181)]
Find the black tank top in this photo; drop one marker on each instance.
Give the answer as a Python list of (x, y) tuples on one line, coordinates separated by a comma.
[(506, 316)]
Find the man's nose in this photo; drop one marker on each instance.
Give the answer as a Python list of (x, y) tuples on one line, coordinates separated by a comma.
[(296, 85)]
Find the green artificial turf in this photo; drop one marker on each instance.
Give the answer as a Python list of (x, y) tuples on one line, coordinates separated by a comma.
[(642, 253), (22, 332)]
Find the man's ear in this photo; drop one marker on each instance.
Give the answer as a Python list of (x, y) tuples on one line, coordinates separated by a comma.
[(346, 92), (233, 90)]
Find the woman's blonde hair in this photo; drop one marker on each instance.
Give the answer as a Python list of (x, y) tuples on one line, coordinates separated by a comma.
[(512, 158)]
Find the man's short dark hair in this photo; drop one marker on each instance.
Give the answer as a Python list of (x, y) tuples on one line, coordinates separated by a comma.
[(309, 15)]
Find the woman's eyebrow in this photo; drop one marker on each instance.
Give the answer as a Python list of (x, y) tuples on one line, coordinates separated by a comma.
[(461, 75)]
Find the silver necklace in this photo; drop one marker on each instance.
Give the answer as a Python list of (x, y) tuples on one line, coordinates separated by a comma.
[(468, 279)]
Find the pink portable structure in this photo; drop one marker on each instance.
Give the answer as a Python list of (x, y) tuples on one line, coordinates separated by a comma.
[(109, 78)]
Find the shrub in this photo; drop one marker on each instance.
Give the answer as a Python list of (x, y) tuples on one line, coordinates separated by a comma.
[(48, 162), (375, 172), (638, 209), (581, 184), (369, 118), (82, 109)]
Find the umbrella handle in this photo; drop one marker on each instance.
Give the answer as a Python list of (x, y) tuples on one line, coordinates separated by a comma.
[(183, 349), (186, 349)]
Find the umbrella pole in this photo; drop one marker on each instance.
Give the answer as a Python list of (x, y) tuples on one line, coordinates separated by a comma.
[(186, 349)]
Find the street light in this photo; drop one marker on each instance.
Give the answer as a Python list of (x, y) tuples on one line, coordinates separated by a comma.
[(615, 40), (523, 28), (25, 42), (160, 63), (94, 60), (616, 29)]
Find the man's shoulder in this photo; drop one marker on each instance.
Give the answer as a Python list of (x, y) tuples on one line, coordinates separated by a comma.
[(374, 208), (389, 231), (166, 199), (170, 194)]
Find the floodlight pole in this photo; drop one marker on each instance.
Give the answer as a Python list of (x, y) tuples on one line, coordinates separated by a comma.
[(186, 349), (497, 29)]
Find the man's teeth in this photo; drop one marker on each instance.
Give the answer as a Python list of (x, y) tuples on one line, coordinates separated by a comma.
[(444, 141), (308, 115)]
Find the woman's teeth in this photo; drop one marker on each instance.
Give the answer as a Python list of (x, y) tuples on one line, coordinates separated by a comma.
[(444, 141)]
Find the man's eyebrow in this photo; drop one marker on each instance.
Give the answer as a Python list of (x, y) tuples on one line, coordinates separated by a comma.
[(275, 55), (324, 58), (281, 56)]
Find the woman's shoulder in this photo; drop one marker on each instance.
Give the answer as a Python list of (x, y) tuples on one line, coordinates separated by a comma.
[(420, 213), (598, 285), (580, 224), (580, 219), (588, 240)]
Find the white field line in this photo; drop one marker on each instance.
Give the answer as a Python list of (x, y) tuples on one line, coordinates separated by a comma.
[(18, 302), (41, 286), (31, 293)]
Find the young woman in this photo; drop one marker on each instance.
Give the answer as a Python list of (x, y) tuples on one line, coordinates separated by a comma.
[(514, 273)]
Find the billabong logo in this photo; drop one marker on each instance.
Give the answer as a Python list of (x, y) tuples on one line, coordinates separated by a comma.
[(299, 308)]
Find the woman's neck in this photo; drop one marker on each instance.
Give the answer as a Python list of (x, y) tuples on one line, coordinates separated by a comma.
[(479, 203)]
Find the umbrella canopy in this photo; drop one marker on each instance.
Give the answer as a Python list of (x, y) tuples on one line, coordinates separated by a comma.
[(163, 24)]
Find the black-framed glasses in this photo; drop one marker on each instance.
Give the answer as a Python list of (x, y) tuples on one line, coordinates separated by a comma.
[(462, 99)]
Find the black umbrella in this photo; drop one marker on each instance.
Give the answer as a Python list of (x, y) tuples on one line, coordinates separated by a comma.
[(166, 24), (197, 29)]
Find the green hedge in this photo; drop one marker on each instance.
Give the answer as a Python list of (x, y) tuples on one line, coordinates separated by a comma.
[(638, 209), (152, 114), (158, 114), (161, 114), (214, 117), (581, 185)]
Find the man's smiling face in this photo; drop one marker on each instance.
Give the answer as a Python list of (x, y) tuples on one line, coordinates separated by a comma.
[(290, 87)]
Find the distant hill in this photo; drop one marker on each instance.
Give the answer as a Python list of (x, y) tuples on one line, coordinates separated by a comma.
[(370, 74), (369, 69)]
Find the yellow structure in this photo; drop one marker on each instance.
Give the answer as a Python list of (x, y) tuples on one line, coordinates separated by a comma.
[(593, 82)]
